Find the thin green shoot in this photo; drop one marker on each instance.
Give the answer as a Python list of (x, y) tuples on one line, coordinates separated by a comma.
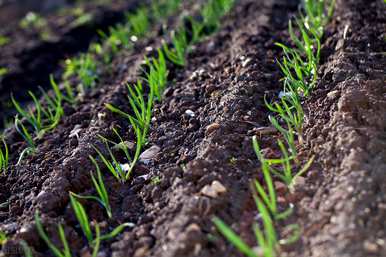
[(69, 97), (289, 109), (269, 198), (113, 166), (3, 237), (82, 217), (3, 71), (177, 53), (288, 134), (266, 236), (22, 130), (4, 157), (235, 239), (26, 249), (98, 182), (66, 252), (139, 22), (116, 231), (4, 40), (157, 75)]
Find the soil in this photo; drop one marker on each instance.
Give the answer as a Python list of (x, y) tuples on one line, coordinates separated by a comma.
[(200, 160)]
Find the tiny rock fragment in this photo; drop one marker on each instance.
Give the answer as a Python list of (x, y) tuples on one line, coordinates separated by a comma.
[(190, 113), (266, 131), (280, 187), (370, 247), (213, 190), (150, 153), (75, 131), (333, 94), (212, 127)]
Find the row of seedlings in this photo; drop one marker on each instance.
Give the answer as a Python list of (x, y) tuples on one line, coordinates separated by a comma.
[(141, 103), (43, 116), (36, 120), (299, 66)]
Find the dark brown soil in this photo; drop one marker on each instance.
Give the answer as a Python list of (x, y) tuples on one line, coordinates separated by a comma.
[(201, 160), (344, 211)]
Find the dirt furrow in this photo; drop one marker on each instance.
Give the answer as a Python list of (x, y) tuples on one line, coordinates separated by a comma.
[(345, 202), (203, 132)]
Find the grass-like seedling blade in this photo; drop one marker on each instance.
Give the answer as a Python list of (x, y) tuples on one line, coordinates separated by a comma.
[(177, 53), (55, 250), (139, 22), (97, 241), (82, 217), (113, 166), (4, 157), (116, 231), (3, 237), (26, 249), (99, 185), (232, 237)]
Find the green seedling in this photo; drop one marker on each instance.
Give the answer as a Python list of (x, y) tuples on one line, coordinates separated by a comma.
[(288, 134), (139, 22), (266, 237), (82, 217), (33, 21), (3, 237), (157, 74), (119, 37), (164, 8), (290, 110), (113, 166), (66, 252), (99, 185), (4, 157), (70, 96), (42, 118), (140, 120), (3, 40), (177, 53), (3, 71), (82, 19), (23, 131), (83, 220), (197, 30), (155, 180), (270, 198), (214, 10), (84, 68)]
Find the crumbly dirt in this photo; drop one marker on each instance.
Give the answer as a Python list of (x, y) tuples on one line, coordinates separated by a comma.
[(200, 160), (345, 204)]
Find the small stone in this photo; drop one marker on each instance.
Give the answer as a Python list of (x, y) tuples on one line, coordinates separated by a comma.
[(212, 127), (333, 94), (370, 247), (213, 190), (190, 113), (150, 153), (266, 131), (142, 252)]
